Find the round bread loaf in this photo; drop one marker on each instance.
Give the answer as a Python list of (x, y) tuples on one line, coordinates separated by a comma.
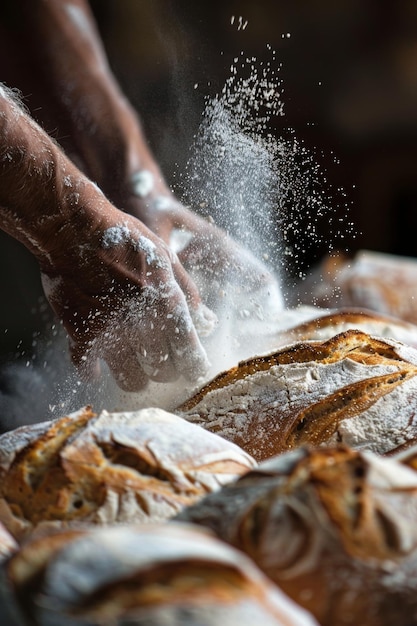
[(353, 388), (333, 527), (381, 282), (324, 324), (162, 575), (114, 467)]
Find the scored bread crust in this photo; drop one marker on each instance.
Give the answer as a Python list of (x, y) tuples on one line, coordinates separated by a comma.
[(333, 527), (176, 574), (112, 467), (353, 388)]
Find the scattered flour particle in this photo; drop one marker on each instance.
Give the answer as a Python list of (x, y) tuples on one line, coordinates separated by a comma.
[(146, 245), (143, 183), (115, 236), (162, 202), (204, 320), (179, 240)]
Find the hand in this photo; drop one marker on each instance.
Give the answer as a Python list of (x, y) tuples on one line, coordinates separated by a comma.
[(121, 293), (227, 274), (123, 296)]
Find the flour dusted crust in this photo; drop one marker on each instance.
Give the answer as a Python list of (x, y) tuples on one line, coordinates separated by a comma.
[(353, 388), (155, 574), (324, 324), (333, 527), (112, 467), (381, 282)]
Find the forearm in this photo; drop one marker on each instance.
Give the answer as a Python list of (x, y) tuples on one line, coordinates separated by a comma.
[(121, 294), (105, 128), (41, 191)]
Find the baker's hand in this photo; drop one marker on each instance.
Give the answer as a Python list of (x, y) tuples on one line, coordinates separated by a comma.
[(119, 290), (226, 273), (124, 297)]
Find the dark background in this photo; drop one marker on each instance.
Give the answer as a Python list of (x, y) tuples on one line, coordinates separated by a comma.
[(349, 71)]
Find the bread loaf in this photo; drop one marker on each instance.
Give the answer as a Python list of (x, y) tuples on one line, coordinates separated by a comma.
[(353, 388), (114, 467), (385, 283), (155, 575), (324, 324), (333, 527)]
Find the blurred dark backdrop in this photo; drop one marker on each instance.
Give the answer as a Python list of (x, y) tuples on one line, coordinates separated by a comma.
[(349, 71)]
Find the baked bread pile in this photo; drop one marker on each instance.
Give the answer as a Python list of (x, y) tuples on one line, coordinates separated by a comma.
[(105, 512)]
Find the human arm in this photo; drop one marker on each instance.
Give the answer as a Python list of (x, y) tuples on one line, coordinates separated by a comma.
[(111, 142), (121, 293)]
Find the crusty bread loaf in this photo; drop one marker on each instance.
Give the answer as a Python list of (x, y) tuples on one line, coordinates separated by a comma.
[(324, 324), (385, 283), (333, 527), (114, 467), (173, 575), (353, 388)]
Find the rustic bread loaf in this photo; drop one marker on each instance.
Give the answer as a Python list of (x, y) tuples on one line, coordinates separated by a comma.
[(114, 467), (333, 527), (353, 388), (381, 282), (159, 575), (324, 324)]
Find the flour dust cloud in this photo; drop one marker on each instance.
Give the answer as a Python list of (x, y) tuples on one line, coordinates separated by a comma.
[(270, 192), (264, 190)]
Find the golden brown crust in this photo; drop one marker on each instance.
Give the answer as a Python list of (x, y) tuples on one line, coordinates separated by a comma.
[(325, 324), (334, 528), (353, 388), (111, 468), (355, 344), (143, 573)]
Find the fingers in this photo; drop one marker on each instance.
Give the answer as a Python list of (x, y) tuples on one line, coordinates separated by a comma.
[(203, 319), (187, 354), (87, 365), (168, 342), (185, 283), (153, 335), (158, 343), (190, 359), (126, 370)]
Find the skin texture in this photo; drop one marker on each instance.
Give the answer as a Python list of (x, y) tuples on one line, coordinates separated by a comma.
[(109, 140), (121, 292)]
